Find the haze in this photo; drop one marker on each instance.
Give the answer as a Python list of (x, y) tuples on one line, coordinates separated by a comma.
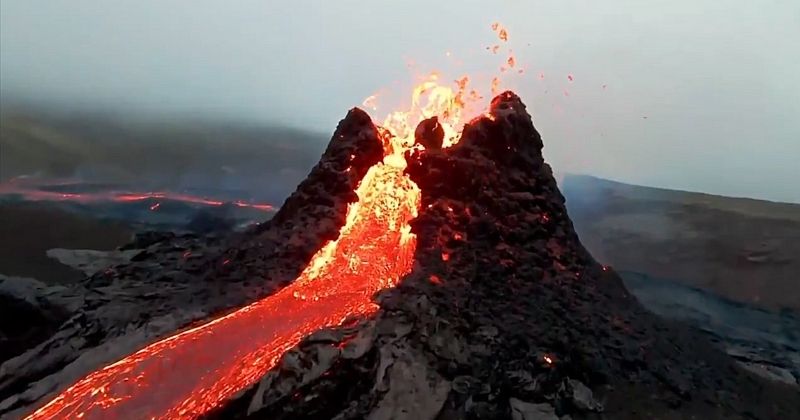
[(699, 95)]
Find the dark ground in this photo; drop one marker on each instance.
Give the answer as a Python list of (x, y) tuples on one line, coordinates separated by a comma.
[(28, 230), (743, 249)]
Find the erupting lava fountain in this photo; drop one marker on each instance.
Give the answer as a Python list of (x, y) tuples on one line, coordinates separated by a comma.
[(194, 371)]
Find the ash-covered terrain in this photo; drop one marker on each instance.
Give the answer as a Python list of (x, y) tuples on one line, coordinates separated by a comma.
[(504, 315)]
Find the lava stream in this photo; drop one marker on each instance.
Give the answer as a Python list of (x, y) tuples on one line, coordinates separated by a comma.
[(187, 374), (31, 192)]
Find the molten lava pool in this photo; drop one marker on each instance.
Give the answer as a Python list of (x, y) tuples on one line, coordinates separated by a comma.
[(188, 374)]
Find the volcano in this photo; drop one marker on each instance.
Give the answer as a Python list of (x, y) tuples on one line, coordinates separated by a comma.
[(402, 280)]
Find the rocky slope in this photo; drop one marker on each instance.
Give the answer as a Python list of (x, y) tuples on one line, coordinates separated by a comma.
[(743, 249)]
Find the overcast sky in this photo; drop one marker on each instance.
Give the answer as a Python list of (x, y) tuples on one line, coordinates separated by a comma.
[(718, 81)]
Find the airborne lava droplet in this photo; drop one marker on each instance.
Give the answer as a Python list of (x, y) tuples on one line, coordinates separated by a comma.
[(462, 83), (495, 86), (369, 102)]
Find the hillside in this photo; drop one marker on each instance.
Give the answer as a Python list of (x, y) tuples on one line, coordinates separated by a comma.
[(163, 153), (746, 250)]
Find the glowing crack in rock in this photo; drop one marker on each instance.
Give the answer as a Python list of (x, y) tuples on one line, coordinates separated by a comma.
[(189, 373)]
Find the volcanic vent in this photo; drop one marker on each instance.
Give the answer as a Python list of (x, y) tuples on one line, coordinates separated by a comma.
[(452, 286), (505, 314)]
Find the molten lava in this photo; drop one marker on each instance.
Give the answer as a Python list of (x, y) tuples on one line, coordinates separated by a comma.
[(189, 373), (32, 191)]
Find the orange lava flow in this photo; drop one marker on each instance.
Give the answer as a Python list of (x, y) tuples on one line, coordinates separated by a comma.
[(187, 374), (191, 372), (31, 193)]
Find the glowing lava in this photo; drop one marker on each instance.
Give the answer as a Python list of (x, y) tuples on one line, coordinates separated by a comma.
[(189, 373), (31, 191)]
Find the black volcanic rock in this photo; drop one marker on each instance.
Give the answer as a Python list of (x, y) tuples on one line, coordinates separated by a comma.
[(506, 315), (356, 146), (429, 133), (313, 214)]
